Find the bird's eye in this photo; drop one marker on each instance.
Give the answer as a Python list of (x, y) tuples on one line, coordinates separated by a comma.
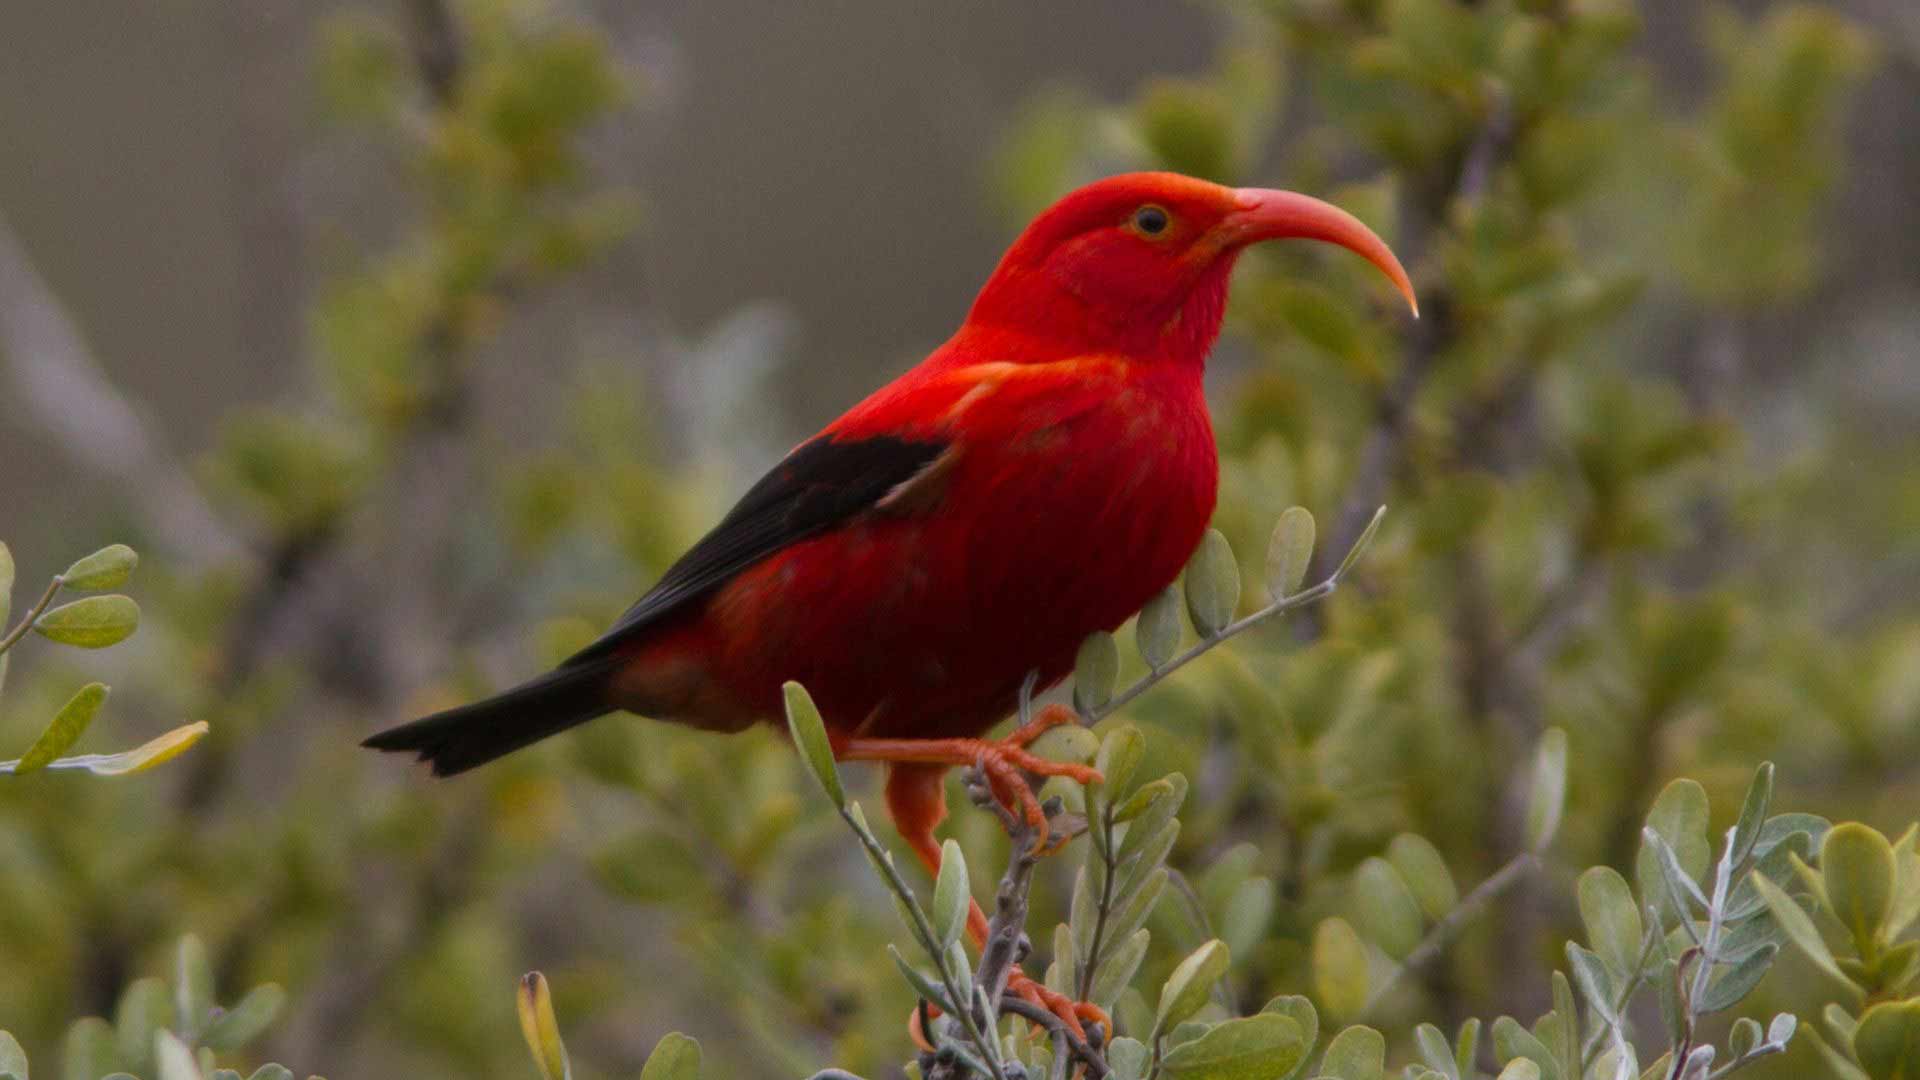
[(1150, 220)]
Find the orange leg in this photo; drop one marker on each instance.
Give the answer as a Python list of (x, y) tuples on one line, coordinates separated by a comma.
[(1001, 762), (917, 801)]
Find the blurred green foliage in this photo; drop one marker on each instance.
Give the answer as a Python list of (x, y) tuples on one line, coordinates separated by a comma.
[(1605, 522)]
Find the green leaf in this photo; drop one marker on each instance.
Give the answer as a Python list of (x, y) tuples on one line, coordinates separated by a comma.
[(1511, 1042), (1157, 630), (244, 1022), (1887, 1042), (143, 1009), (12, 1058), (1385, 908), (108, 568), (173, 1058), (89, 1051), (93, 623), (1129, 1058), (1254, 1048), (1301, 1011), (924, 985), (1432, 1043), (1520, 1069), (951, 893), (6, 586), (1187, 989), (1547, 796), (1753, 814), (1744, 1036), (1073, 743), (1612, 918), (67, 727), (1120, 964), (1857, 864), (272, 1072), (1732, 985), (1339, 967), (1466, 1046), (1289, 552), (1798, 927), (809, 733), (540, 1028), (1357, 1053), (1360, 545), (1679, 815), (1213, 584), (674, 1057), (1425, 873), (1595, 984), (192, 984), (1096, 669), (1243, 922), (139, 759), (1120, 755)]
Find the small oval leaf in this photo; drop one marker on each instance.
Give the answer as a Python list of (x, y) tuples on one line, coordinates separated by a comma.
[(1213, 584), (244, 1022), (1548, 796), (67, 727), (1289, 552), (1614, 928), (93, 623), (1187, 989), (674, 1057), (950, 895), (1252, 1048), (1425, 873), (1385, 908), (108, 568), (1357, 1053), (1339, 967), (1857, 864), (809, 733), (1095, 671), (1157, 630)]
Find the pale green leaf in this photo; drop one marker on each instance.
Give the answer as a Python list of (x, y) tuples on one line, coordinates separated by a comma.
[(1157, 631), (1253, 1048), (951, 895), (809, 733), (12, 1058), (1425, 873), (1385, 908), (1096, 669), (250, 1016), (1679, 816), (1547, 795), (1213, 584), (1289, 552), (674, 1057), (173, 1058), (1339, 967), (1798, 926), (108, 568), (1614, 928), (67, 727), (93, 623), (1188, 988), (1357, 1053), (1857, 865)]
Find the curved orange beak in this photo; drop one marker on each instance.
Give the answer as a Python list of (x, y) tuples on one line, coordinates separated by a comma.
[(1267, 214)]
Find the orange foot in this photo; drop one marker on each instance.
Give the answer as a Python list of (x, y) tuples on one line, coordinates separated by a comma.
[(1074, 1014), (1001, 762)]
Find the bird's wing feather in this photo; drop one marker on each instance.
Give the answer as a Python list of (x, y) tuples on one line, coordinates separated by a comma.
[(819, 485)]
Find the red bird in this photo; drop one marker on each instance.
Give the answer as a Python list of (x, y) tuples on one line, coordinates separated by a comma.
[(1040, 476)]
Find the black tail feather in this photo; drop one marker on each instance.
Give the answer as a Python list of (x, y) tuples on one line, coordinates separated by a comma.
[(472, 735)]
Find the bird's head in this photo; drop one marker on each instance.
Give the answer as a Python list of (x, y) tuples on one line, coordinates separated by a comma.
[(1138, 263)]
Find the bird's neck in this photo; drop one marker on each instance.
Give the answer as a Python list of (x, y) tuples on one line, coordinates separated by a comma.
[(1054, 321)]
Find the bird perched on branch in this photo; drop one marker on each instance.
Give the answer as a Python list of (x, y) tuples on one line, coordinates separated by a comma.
[(1040, 476)]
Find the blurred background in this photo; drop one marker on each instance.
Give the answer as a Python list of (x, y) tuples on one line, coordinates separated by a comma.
[(410, 341)]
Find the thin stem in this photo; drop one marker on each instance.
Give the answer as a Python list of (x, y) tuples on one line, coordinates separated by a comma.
[(1443, 931), (1092, 965), (1027, 1010), (39, 609), (1150, 680), (929, 941)]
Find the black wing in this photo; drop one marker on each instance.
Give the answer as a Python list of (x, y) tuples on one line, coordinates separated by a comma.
[(821, 484)]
